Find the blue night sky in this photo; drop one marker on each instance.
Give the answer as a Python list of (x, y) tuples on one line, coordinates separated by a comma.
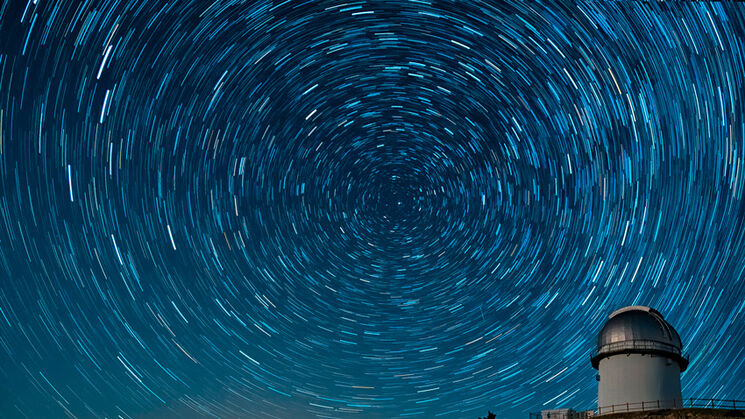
[(369, 209)]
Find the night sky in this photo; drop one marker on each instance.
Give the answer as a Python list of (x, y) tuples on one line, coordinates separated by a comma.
[(362, 209)]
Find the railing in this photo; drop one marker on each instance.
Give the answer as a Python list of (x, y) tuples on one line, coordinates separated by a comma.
[(572, 415), (640, 346), (728, 404), (637, 344), (672, 404)]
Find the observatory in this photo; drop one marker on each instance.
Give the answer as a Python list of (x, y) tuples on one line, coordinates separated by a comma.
[(639, 361)]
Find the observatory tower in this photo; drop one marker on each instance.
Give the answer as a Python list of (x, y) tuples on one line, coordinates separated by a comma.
[(639, 362)]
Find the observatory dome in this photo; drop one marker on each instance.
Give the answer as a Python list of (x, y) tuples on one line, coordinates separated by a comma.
[(639, 329)]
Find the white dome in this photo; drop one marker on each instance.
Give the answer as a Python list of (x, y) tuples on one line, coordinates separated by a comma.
[(642, 330)]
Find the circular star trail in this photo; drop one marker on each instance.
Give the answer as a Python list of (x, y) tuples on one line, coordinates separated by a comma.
[(361, 209)]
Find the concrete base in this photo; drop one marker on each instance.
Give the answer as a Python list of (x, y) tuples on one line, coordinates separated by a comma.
[(634, 382)]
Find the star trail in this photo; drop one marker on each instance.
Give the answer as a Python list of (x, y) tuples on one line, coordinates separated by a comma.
[(363, 208)]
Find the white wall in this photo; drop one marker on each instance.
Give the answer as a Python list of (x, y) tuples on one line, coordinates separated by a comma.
[(636, 378)]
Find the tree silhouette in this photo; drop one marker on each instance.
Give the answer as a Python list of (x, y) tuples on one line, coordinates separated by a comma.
[(489, 416)]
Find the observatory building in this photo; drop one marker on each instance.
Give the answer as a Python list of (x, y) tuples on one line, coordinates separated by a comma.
[(639, 361)]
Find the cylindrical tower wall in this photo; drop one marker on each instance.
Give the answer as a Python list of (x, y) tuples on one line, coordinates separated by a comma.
[(631, 382)]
